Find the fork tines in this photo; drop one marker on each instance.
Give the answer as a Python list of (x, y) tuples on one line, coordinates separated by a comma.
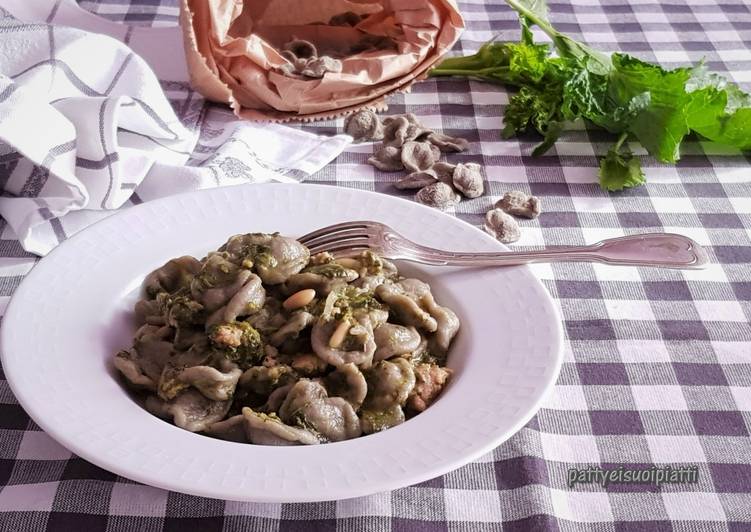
[(339, 238)]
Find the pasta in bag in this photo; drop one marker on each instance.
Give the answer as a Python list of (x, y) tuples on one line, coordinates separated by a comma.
[(299, 59)]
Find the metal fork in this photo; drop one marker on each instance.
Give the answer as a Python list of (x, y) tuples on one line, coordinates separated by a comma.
[(665, 250)]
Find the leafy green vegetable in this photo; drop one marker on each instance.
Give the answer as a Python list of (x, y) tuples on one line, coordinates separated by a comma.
[(372, 262), (619, 169), (536, 12), (331, 270), (263, 380), (660, 125), (343, 301), (238, 342), (619, 93), (258, 254), (718, 110), (180, 309)]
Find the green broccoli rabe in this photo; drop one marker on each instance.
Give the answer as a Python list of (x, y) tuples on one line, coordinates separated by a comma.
[(181, 310), (372, 262), (355, 298), (216, 271), (255, 251), (622, 94), (332, 270), (261, 256), (344, 301), (299, 420), (238, 342), (262, 380)]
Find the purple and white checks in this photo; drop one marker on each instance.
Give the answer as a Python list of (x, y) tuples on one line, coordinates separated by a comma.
[(658, 363)]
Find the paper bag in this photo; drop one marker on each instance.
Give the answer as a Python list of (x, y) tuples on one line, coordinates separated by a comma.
[(235, 52)]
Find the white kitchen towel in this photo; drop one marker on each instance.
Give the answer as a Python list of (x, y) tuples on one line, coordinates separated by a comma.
[(96, 116)]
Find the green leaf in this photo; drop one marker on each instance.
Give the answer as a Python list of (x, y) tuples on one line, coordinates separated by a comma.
[(532, 108), (583, 93), (508, 63), (527, 35), (619, 93), (704, 109), (536, 12), (551, 135), (718, 109), (619, 169), (660, 129), (680, 101), (733, 130), (624, 115), (702, 78), (632, 76), (707, 117), (737, 99), (538, 7), (528, 63), (660, 125)]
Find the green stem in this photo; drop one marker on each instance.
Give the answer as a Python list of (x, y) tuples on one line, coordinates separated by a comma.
[(468, 62), (440, 71), (543, 24), (620, 141), (490, 75), (566, 46)]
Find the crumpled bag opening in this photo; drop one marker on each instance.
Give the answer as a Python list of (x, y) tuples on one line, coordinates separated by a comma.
[(234, 52)]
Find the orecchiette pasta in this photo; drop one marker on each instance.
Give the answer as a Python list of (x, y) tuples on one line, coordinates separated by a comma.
[(260, 343)]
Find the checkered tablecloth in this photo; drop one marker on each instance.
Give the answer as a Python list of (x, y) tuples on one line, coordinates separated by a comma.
[(657, 363)]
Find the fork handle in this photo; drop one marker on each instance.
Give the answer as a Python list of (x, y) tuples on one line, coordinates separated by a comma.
[(664, 250)]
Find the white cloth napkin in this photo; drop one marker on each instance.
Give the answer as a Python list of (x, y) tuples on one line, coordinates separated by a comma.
[(96, 116)]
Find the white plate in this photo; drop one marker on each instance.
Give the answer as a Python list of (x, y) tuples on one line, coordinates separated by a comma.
[(73, 312)]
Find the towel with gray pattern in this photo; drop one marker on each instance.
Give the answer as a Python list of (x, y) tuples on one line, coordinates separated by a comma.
[(96, 116)]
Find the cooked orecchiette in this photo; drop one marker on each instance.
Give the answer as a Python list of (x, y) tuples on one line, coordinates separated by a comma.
[(276, 398), (211, 382), (377, 420), (190, 410), (392, 340), (246, 300), (231, 429), (217, 281), (273, 257), (389, 383), (260, 343), (406, 307), (348, 382), (307, 404), (322, 284), (175, 274), (263, 380), (294, 325), (265, 429), (126, 363), (356, 348), (149, 311)]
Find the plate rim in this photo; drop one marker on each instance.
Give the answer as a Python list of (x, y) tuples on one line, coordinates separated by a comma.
[(173, 485)]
